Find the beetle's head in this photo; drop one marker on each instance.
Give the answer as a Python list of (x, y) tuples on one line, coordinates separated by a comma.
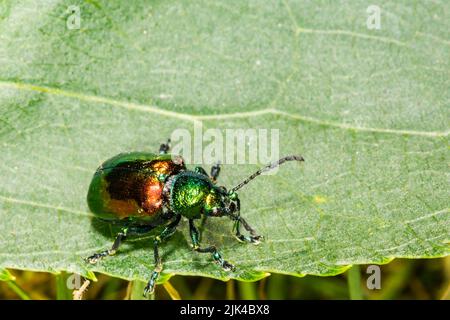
[(221, 202)]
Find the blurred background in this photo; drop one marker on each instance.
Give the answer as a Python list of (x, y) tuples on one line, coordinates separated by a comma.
[(400, 279)]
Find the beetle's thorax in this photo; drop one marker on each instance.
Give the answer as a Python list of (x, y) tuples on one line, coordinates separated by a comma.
[(187, 193)]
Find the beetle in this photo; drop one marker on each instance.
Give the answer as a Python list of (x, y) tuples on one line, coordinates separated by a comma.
[(139, 191)]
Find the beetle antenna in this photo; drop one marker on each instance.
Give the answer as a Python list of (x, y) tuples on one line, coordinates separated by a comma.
[(267, 168)]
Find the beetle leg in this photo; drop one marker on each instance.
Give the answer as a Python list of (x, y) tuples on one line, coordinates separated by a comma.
[(164, 147), (211, 249), (215, 170), (253, 238), (119, 239), (166, 233)]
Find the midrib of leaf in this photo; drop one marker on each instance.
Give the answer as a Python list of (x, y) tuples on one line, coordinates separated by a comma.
[(193, 118)]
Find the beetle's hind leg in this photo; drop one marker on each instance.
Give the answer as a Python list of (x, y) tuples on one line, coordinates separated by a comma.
[(110, 252), (211, 249), (166, 233), (120, 238), (164, 147)]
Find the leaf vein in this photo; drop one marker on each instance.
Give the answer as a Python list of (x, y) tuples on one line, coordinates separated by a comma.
[(195, 118)]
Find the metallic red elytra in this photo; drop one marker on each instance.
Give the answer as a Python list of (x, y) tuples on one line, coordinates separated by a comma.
[(131, 185)]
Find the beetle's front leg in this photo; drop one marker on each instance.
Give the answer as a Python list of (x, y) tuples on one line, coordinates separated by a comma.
[(166, 233), (211, 249), (215, 170), (252, 238)]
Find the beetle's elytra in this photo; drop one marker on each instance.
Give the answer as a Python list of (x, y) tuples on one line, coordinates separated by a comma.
[(140, 191), (131, 185)]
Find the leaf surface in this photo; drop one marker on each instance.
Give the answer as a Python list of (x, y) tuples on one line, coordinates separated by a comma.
[(368, 109)]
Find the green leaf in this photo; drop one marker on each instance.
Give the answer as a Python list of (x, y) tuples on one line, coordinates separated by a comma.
[(368, 109)]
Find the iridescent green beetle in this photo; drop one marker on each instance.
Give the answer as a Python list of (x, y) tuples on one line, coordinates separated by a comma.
[(140, 191)]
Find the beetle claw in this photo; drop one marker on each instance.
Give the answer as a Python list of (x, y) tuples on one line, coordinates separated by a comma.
[(148, 290), (92, 259), (256, 239), (228, 266), (252, 239)]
